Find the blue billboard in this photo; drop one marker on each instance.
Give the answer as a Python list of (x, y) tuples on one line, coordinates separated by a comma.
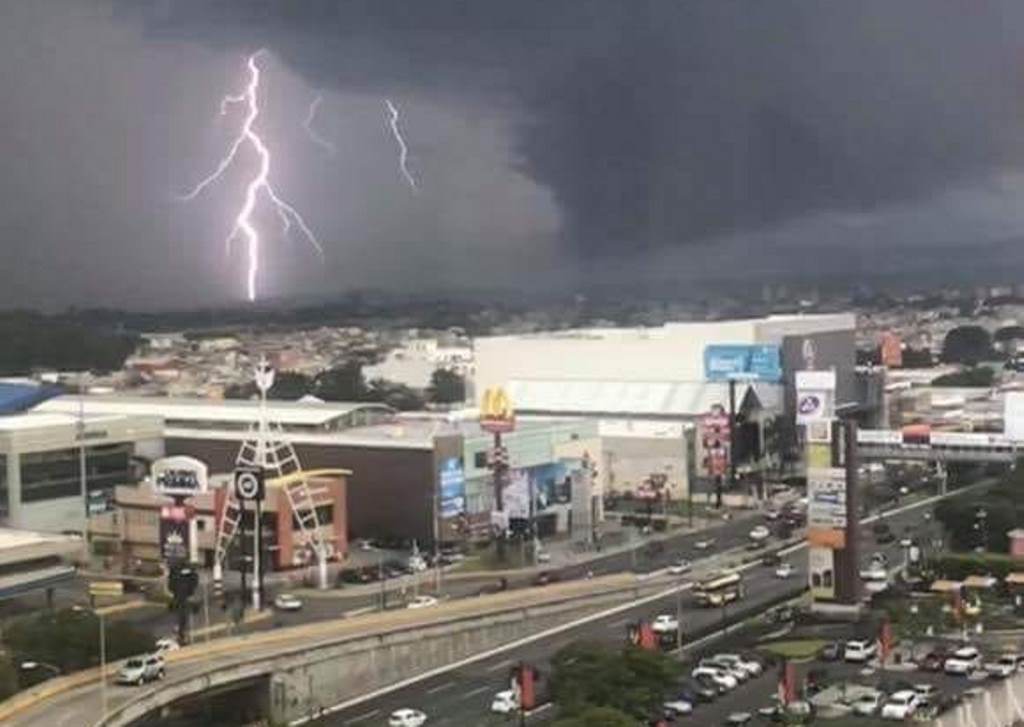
[(453, 488), (742, 362)]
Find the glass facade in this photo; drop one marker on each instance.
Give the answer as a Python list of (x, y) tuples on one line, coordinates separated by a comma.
[(54, 474)]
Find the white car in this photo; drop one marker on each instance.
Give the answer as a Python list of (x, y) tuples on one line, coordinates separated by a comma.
[(665, 624), (760, 533), (860, 651), (736, 672), (785, 570), (141, 669), (874, 572), (422, 602), (1002, 667), (417, 564), (165, 645), (704, 544), (680, 567), (407, 718), (900, 705), (964, 661), (678, 706), (543, 556), (719, 677), (287, 602), (906, 542), (868, 704), (505, 702), (735, 661)]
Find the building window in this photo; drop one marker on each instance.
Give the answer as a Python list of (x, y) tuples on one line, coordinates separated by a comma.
[(324, 516), (55, 474), (480, 460)]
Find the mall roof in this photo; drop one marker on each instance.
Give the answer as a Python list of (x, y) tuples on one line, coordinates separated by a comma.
[(213, 411), (39, 420), (621, 398), (17, 397)]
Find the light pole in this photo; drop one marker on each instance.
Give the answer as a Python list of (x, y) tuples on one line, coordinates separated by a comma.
[(103, 653)]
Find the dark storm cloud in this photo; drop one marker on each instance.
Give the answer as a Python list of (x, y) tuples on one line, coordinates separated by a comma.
[(655, 122), (551, 139)]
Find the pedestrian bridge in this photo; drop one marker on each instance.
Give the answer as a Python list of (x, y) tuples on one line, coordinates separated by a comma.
[(981, 447)]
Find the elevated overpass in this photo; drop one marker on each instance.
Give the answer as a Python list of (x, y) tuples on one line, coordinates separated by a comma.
[(923, 445), (303, 669)]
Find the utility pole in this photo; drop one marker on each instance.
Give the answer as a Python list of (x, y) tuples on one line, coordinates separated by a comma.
[(732, 436)]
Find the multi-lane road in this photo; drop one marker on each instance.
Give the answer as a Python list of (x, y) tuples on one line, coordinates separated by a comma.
[(462, 696)]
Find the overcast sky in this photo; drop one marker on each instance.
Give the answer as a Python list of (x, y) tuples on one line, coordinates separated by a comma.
[(553, 141)]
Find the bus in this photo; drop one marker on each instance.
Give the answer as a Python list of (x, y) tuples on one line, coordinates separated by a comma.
[(719, 589)]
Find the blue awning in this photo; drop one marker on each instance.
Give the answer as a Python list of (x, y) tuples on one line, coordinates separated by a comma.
[(15, 398)]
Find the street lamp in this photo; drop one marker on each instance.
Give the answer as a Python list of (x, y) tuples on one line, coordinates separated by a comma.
[(103, 653), (34, 665)]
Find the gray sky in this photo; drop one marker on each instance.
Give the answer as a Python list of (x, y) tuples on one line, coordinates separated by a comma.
[(555, 142)]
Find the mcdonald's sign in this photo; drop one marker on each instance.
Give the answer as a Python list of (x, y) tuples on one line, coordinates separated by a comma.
[(496, 414)]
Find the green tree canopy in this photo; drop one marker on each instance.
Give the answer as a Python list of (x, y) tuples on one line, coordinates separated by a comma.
[(967, 345), (70, 639), (342, 383), (446, 387), (288, 386), (33, 341), (630, 680), (597, 717), (395, 395), (1009, 333)]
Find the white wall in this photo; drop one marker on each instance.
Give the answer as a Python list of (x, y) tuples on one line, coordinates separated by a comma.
[(51, 516), (672, 353)]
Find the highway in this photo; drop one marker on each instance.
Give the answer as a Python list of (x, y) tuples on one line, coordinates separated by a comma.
[(463, 695)]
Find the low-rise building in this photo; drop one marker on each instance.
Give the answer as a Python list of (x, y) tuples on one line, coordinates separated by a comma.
[(43, 467)]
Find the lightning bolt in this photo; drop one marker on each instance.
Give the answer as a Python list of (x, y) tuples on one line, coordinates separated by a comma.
[(260, 183), (311, 132), (403, 150)]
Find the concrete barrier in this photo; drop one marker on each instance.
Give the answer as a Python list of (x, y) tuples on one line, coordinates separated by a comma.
[(302, 679)]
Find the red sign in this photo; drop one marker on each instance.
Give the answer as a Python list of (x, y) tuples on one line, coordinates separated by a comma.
[(177, 513)]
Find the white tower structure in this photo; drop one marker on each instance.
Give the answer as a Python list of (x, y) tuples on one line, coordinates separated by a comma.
[(268, 448)]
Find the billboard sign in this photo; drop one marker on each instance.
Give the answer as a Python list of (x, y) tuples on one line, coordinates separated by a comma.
[(179, 476), (826, 494), (715, 437), (821, 572), (496, 413), (453, 488), (815, 396), (174, 534), (723, 362)]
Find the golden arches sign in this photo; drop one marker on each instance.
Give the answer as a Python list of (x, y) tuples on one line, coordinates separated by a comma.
[(496, 413)]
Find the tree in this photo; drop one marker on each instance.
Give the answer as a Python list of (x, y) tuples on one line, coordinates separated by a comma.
[(32, 341), (597, 717), (288, 386), (343, 383), (70, 639), (974, 376), (632, 680), (967, 345), (398, 396), (446, 387)]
